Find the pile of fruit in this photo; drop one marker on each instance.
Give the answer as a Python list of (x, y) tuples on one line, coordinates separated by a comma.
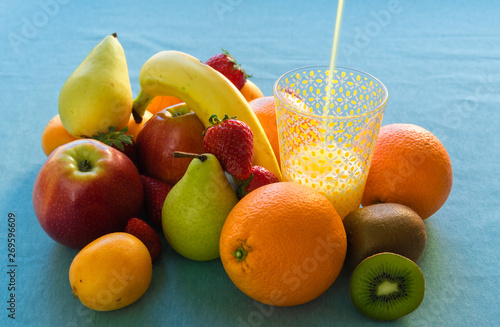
[(195, 158)]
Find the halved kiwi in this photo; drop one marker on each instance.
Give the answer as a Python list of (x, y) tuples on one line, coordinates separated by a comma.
[(387, 286)]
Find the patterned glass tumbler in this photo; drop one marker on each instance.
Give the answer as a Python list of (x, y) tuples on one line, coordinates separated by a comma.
[(327, 129)]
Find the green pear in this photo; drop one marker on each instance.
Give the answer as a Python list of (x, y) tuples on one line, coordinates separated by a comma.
[(98, 94), (196, 208)]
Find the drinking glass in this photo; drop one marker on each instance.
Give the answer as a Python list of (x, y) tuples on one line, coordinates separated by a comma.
[(328, 124)]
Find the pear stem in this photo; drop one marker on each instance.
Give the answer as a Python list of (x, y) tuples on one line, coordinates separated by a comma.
[(180, 154)]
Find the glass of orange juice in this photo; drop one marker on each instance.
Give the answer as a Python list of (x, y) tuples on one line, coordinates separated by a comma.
[(328, 123)]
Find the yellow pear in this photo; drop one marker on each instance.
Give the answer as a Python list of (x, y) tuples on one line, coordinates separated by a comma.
[(98, 93)]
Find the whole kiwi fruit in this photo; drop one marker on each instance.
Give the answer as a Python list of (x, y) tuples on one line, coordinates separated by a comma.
[(384, 227)]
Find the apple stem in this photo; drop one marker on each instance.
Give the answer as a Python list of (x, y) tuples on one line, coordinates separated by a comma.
[(84, 166), (180, 154), (179, 109)]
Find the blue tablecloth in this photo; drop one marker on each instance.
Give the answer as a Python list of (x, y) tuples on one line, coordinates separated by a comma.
[(440, 61)]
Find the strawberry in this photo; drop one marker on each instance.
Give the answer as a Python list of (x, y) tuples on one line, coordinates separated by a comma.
[(155, 192), (140, 229), (225, 64), (260, 176), (129, 149), (231, 141), (119, 140)]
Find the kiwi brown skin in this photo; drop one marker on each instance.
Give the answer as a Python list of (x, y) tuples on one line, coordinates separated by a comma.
[(384, 227)]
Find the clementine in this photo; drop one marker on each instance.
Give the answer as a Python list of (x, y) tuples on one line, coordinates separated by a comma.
[(251, 91), (111, 272), (55, 135), (409, 166), (161, 102), (283, 244), (265, 110)]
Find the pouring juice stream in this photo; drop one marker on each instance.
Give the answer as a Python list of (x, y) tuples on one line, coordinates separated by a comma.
[(333, 57)]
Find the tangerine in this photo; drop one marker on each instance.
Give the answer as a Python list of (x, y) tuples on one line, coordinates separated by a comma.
[(283, 244), (265, 110), (111, 272), (55, 135), (161, 102), (409, 166), (251, 91)]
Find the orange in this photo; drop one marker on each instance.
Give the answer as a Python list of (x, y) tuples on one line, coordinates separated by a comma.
[(283, 244), (409, 166), (161, 102), (111, 272), (251, 91), (265, 110), (55, 135)]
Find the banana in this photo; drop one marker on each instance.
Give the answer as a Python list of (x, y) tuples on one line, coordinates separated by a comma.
[(205, 91)]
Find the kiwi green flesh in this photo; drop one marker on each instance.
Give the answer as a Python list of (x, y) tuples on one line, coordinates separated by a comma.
[(387, 227), (387, 286)]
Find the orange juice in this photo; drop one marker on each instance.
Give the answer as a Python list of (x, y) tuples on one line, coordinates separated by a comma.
[(336, 173)]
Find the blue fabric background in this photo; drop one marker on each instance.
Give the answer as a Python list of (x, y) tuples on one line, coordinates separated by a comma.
[(439, 60)]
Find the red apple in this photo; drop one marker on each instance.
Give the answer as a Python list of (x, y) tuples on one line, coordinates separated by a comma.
[(84, 190), (175, 128)]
